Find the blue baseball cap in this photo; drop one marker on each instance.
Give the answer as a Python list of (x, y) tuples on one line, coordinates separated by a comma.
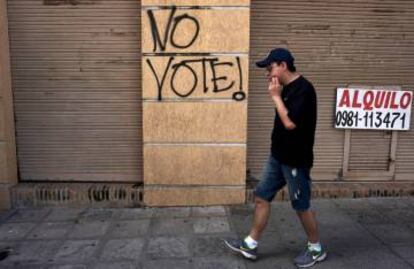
[(276, 55)]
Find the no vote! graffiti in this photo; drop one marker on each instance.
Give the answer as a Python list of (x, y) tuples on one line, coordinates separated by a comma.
[(182, 73)]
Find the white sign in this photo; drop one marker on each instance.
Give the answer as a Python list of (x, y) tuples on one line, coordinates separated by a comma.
[(378, 108)]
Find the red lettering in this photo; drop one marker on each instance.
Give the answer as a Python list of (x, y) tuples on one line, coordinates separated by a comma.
[(393, 104), (368, 100), (405, 100), (355, 100), (379, 99), (345, 99), (387, 100)]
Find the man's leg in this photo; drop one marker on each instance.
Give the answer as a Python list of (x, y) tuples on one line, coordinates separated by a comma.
[(299, 183), (308, 220), (260, 218), (272, 181)]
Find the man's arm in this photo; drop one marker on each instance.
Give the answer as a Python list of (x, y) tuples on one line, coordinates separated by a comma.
[(283, 113), (275, 91)]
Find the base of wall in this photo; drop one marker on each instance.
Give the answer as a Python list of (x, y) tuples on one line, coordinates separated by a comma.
[(5, 198), (332, 190), (132, 195), (194, 195), (77, 195)]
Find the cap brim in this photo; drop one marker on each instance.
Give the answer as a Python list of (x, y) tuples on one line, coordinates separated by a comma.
[(263, 63)]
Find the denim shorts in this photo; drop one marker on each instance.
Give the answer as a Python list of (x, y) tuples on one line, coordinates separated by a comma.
[(275, 177)]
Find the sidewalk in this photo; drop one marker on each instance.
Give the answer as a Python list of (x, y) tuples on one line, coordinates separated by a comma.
[(358, 233)]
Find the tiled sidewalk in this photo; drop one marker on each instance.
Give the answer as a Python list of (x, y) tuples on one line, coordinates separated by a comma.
[(358, 233)]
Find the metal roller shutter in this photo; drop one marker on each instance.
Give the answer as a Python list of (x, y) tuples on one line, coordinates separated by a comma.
[(404, 167), (369, 150), (77, 89), (336, 43)]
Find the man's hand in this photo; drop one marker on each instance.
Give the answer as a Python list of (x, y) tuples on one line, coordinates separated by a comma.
[(275, 88)]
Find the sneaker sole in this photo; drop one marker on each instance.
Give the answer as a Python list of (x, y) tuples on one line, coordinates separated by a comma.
[(245, 254), (319, 259)]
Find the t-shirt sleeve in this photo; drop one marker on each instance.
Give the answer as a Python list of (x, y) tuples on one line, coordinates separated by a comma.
[(302, 106)]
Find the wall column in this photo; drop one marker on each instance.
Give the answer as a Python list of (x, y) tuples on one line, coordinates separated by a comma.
[(8, 170), (195, 80)]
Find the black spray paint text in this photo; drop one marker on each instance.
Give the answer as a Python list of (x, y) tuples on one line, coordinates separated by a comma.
[(219, 82), (212, 67)]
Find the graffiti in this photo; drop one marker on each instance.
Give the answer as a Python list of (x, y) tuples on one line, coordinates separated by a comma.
[(106, 193), (156, 38), (215, 70), (217, 83)]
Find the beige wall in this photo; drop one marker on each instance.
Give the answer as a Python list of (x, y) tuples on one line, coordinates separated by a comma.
[(8, 172), (195, 77)]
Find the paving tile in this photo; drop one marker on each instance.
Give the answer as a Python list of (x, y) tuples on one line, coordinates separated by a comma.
[(207, 246), (91, 229), (168, 264), (391, 233), (24, 265), (168, 247), (50, 230), (5, 214), (218, 263), (208, 211), (172, 212), (164, 226), (355, 235), (34, 251), (117, 265), (64, 214), (12, 231), (406, 252), (372, 217), (77, 250), (28, 215), (129, 228), (97, 214), (211, 225), (134, 213), (372, 258), (401, 215), (68, 266), (123, 249)]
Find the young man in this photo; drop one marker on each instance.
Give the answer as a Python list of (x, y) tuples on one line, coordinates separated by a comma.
[(291, 156)]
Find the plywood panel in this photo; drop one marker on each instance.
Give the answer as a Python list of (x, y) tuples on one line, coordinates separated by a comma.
[(207, 77), (2, 121), (193, 196), (3, 163), (210, 122), (208, 31), (194, 164), (196, 2)]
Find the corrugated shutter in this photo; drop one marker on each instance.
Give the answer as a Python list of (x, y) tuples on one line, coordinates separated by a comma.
[(369, 150), (404, 167), (77, 89), (336, 43)]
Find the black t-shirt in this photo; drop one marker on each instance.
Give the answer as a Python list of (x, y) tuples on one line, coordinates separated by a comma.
[(295, 147)]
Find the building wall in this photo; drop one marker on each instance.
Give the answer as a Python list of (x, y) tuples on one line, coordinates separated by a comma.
[(8, 172), (194, 122)]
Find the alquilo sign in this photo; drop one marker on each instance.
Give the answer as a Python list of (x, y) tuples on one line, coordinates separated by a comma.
[(376, 108)]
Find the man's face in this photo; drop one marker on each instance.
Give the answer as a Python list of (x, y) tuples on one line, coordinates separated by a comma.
[(274, 70)]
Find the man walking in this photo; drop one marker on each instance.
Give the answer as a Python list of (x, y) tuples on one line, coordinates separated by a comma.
[(291, 156)]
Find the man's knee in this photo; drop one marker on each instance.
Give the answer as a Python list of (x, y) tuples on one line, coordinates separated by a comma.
[(259, 202)]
